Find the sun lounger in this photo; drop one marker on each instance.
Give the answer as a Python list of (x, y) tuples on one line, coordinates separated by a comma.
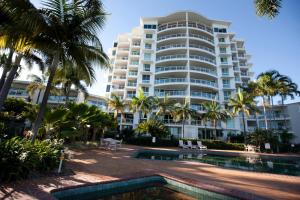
[(190, 145), (201, 146), (182, 145)]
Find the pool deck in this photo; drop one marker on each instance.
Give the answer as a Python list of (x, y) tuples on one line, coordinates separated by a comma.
[(97, 165)]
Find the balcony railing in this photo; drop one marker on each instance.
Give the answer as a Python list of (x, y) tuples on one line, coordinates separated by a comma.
[(170, 80), (130, 84), (203, 69), (17, 92), (171, 57), (202, 47), (170, 46), (171, 93), (197, 57), (170, 68), (130, 73), (203, 94), (171, 25), (201, 37), (204, 82), (171, 36), (197, 107)]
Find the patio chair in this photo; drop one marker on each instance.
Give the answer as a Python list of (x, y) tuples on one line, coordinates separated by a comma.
[(103, 143), (112, 145), (119, 143), (201, 146), (190, 145), (182, 145)]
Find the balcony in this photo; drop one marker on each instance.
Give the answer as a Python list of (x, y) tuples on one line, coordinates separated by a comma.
[(131, 73), (200, 26), (171, 57), (171, 46), (202, 48), (171, 93), (18, 93), (131, 84), (170, 68), (205, 95), (201, 37), (197, 107), (171, 26), (178, 35), (170, 80), (202, 58), (203, 69), (204, 82)]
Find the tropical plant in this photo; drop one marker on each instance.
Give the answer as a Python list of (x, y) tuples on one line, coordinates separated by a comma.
[(117, 105), (286, 137), (243, 103), (142, 103), (268, 8), (5, 66), (154, 127), (162, 106), (215, 113), (261, 136), (69, 31), (182, 112)]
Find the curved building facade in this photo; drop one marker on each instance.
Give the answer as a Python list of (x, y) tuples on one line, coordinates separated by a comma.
[(185, 56)]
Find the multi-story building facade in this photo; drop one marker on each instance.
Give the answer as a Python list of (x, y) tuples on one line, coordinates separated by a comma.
[(281, 117), (19, 90), (185, 56)]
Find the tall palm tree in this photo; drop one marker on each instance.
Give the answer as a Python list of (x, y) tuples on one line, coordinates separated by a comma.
[(268, 8), (163, 106), (117, 105), (142, 103), (69, 31), (4, 63), (215, 113), (16, 37), (182, 112), (243, 103)]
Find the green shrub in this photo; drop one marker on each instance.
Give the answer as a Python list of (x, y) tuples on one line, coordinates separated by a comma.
[(20, 156)]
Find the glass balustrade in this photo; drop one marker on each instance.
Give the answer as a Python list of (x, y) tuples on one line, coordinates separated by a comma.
[(197, 57), (204, 82), (169, 68), (170, 57), (201, 47), (171, 36), (203, 94), (203, 69), (170, 46), (170, 80)]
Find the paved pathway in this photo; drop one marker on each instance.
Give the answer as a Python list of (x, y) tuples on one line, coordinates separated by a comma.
[(96, 165)]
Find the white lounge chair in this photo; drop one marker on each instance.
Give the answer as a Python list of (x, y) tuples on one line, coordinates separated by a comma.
[(190, 145), (112, 145), (201, 146), (182, 145), (119, 143)]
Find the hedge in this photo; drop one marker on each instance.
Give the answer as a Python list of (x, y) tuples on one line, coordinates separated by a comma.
[(211, 144)]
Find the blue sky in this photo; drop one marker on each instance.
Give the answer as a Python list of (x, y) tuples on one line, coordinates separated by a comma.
[(273, 44)]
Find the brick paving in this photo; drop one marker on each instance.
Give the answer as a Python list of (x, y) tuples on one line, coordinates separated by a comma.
[(98, 165)]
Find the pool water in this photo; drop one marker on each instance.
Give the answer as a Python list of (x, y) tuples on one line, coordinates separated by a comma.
[(269, 164), (145, 188)]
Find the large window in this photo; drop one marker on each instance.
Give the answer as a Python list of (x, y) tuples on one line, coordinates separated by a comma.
[(115, 44), (221, 39), (148, 46), (149, 36), (146, 79), (223, 60), (147, 67), (227, 95), (149, 26), (222, 50), (225, 71), (147, 56), (226, 83)]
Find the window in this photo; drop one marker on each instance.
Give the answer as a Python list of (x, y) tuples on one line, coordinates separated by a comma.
[(131, 83), (114, 52), (225, 71), (223, 60), (220, 30), (115, 44), (147, 56), (107, 88), (130, 94), (109, 78), (221, 39), (134, 62), (149, 36), (226, 83), (146, 90), (222, 50), (149, 26), (219, 133), (136, 53), (148, 46), (227, 95), (147, 67), (146, 79)]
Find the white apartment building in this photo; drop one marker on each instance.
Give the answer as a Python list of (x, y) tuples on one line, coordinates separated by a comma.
[(185, 56)]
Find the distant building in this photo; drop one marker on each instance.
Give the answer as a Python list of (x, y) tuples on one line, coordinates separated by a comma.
[(185, 56), (283, 117), (18, 90)]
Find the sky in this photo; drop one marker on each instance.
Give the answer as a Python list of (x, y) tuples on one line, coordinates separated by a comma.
[(273, 44)]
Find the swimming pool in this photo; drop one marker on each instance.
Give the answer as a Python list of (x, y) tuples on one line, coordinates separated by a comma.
[(269, 164), (145, 188)]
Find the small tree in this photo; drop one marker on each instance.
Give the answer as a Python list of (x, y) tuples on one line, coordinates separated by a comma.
[(154, 127)]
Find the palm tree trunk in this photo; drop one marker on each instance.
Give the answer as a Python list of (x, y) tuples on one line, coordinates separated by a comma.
[(6, 68), (285, 121), (265, 117), (43, 105), (215, 123), (183, 128), (9, 80), (38, 97), (244, 123)]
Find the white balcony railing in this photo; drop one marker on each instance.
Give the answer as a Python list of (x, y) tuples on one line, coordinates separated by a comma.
[(169, 68), (171, 57), (203, 94), (204, 82), (170, 93), (171, 46), (203, 69), (203, 58), (202, 37), (170, 80), (202, 47), (171, 36)]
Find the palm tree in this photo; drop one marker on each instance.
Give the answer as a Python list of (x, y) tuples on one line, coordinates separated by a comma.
[(182, 112), (215, 113), (16, 37), (163, 106), (243, 103), (117, 105), (142, 103), (69, 31), (154, 127), (268, 8), (37, 84), (4, 63), (70, 76)]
